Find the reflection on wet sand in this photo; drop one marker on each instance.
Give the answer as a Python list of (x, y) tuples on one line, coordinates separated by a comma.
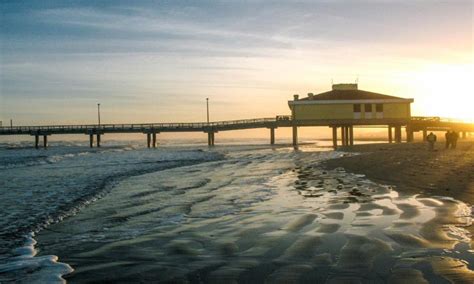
[(259, 217)]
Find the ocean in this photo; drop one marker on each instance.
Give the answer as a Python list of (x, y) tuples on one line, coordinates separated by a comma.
[(240, 212)]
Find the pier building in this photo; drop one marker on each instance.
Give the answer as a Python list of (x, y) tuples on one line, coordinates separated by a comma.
[(345, 106)]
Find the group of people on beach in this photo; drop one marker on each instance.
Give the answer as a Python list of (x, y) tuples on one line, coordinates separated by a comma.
[(451, 139)]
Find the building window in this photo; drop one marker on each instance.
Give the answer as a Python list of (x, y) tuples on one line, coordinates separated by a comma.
[(368, 107), (357, 108), (379, 107)]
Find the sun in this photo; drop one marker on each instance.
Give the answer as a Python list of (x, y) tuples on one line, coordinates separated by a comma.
[(445, 90)]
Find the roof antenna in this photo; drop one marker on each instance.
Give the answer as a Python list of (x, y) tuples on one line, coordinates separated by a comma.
[(357, 79)]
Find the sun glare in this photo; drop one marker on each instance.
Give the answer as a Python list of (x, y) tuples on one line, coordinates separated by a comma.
[(445, 91)]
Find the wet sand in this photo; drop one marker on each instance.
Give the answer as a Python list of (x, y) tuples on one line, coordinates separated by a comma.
[(412, 169), (269, 215)]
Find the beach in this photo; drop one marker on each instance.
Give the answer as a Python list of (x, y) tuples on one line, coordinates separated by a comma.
[(414, 169), (235, 214)]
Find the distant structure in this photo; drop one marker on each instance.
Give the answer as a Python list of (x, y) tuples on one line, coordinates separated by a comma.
[(346, 106)]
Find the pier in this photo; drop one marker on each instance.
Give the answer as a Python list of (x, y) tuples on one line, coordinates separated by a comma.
[(152, 130)]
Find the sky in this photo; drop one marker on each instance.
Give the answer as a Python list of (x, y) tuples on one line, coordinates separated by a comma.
[(158, 61)]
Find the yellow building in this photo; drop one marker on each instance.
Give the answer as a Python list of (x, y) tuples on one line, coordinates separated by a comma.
[(345, 106), (347, 102)]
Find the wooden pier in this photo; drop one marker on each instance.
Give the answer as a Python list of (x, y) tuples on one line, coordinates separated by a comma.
[(151, 130)]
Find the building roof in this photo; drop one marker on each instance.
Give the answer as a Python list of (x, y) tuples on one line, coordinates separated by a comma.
[(348, 92)]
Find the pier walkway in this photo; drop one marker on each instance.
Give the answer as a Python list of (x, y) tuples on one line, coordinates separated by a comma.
[(415, 124)]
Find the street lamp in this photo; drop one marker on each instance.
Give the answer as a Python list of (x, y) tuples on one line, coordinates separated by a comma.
[(207, 105), (98, 113)]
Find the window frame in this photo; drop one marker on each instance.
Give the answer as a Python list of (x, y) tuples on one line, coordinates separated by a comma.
[(378, 107), (357, 108), (368, 108)]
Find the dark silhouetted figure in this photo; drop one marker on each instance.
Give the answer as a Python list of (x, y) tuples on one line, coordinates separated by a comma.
[(431, 138), (448, 137), (454, 139)]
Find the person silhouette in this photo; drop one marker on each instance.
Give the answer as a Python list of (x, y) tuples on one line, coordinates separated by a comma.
[(448, 137), (431, 138), (454, 139)]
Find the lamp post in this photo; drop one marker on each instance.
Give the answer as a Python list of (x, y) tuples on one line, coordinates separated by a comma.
[(98, 113), (207, 106)]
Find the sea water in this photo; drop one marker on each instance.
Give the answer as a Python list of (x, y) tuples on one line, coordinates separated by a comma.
[(231, 213)]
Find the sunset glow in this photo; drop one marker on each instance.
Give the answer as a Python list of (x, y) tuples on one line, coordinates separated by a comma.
[(158, 62)]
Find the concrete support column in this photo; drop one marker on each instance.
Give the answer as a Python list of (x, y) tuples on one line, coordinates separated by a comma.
[(343, 136), (210, 139), (154, 139), (398, 134), (334, 137), (91, 140), (295, 136), (390, 136), (148, 140), (36, 141), (272, 136), (98, 140), (45, 141), (351, 135), (346, 130), (410, 134), (425, 134)]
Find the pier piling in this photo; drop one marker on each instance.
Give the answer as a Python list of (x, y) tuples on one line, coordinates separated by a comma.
[(410, 135), (272, 136), (398, 134), (91, 140), (98, 140), (295, 136), (45, 141), (210, 138), (154, 139), (343, 136), (36, 141), (351, 135), (334, 137)]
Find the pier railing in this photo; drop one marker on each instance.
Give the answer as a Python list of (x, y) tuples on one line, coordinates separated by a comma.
[(417, 122), (130, 127)]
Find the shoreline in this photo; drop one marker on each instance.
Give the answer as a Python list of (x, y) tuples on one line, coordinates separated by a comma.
[(412, 169)]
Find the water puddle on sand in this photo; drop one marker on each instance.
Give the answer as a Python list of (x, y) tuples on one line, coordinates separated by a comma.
[(264, 217)]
